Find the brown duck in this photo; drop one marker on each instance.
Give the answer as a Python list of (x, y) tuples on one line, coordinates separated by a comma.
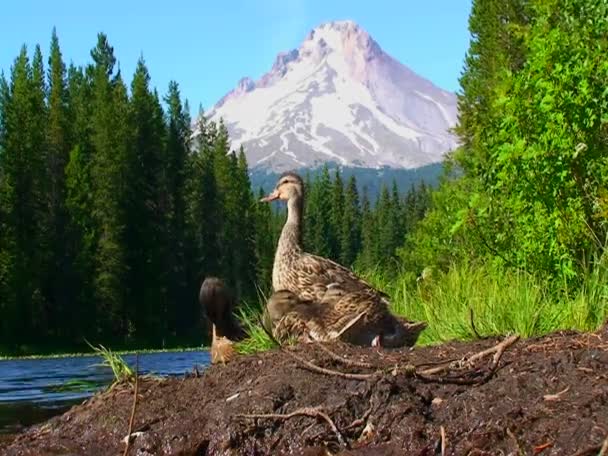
[(218, 304), (323, 300)]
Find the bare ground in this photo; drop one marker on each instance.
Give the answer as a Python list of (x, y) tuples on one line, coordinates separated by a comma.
[(542, 396)]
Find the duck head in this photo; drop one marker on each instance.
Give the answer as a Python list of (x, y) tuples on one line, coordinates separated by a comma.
[(218, 304), (289, 186)]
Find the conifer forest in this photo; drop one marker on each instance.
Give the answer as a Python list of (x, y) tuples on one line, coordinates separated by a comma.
[(113, 209), (115, 204)]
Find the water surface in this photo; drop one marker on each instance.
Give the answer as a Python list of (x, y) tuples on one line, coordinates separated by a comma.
[(33, 390)]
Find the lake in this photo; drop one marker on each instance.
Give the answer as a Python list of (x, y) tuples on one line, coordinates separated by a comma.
[(33, 390)]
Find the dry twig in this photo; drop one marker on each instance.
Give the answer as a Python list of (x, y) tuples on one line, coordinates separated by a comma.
[(520, 452), (359, 421), (472, 319), (134, 405), (497, 350), (343, 360), (313, 412), (604, 450), (599, 450), (425, 375), (321, 370), (556, 396)]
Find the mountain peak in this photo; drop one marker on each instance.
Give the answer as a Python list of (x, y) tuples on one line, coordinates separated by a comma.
[(345, 37), (339, 97)]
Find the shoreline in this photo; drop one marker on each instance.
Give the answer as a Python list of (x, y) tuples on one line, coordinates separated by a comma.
[(547, 393), (93, 354)]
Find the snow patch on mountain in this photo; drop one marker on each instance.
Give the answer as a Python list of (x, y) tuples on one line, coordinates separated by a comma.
[(340, 98)]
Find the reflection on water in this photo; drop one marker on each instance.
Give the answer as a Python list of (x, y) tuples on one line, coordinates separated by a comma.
[(33, 390)]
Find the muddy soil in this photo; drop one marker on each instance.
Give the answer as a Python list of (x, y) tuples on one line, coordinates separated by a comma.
[(548, 396)]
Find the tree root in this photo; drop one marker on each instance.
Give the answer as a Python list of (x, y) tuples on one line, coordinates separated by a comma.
[(428, 375), (313, 412)]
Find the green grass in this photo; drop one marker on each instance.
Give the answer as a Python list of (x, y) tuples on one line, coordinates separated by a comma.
[(499, 301), (258, 340), (120, 369)]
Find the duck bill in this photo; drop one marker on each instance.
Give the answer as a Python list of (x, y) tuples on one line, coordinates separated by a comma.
[(271, 197)]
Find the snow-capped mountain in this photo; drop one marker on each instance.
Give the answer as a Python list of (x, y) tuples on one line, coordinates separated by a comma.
[(338, 98)]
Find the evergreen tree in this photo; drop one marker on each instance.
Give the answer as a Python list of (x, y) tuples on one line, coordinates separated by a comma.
[(317, 215), (245, 220), (336, 216), (59, 274), (204, 207), (146, 228), (350, 234), (369, 245), (23, 246), (109, 138), (385, 222), (81, 232), (183, 310), (265, 242)]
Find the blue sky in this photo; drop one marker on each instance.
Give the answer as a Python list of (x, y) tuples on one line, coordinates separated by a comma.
[(207, 46)]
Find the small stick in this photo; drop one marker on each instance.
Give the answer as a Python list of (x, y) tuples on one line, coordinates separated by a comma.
[(343, 360), (497, 350), (556, 396), (443, 440), (590, 451), (313, 412), (134, 405), (473, 323), (519, 450), (359, 421), (321, 370), (604, 450)]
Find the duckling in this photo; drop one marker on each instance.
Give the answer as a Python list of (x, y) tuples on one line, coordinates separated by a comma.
[(218, 304), (288, 318), (311, 278)]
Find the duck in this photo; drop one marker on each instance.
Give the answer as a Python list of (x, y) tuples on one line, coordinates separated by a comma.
[(291, 319), (217, 304), (344, 304)]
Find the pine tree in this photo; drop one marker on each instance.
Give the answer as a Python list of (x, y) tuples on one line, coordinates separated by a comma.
[(146, 207), (265, 243), (7, 247), (350, 234), (367, 257), (183, 308), (23, 247), (109, 139), (224, 171), (59, 277), (245, 220), (204, 206), (317, 215), (385, 222), (336, 216)]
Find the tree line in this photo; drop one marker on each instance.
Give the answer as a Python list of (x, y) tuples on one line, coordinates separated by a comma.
[(533, 123), (113, 209)]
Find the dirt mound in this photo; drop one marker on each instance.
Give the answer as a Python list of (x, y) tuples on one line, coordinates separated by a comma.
[(546, 396)]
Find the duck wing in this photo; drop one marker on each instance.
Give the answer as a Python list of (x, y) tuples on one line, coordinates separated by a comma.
[(320, 279)]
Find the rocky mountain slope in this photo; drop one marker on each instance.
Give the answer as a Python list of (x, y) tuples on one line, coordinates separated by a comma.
[(339, 98)]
